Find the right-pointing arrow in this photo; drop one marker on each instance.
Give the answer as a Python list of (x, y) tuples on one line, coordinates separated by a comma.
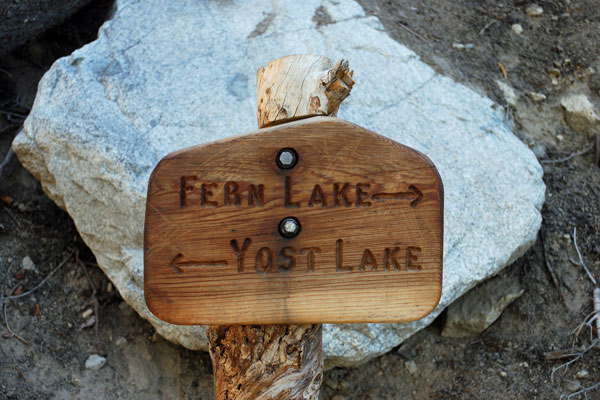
[(413, 193)]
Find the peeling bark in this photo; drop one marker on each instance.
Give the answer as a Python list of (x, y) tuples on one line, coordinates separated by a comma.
[(254, 362), (266, 361)]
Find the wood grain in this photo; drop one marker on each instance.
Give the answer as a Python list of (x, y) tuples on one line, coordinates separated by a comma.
[(300, 86), (370, 248), (265, 362)]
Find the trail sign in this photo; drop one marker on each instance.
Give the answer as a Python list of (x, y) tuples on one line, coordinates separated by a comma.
[(313, 221)]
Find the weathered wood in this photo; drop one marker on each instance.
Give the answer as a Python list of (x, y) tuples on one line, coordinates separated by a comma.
[(369, 249), (300, 86), (215, 252), (253, 362)]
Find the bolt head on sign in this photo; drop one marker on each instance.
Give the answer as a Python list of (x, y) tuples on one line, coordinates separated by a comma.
[(313, 221)]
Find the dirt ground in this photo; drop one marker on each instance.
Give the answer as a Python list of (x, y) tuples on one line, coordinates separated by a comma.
[(46, 336)]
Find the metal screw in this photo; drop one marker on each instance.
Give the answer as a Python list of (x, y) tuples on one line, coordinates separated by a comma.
[(289, 227), (286, 158)]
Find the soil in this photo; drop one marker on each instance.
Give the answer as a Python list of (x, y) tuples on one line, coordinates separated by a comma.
[(47, 336)]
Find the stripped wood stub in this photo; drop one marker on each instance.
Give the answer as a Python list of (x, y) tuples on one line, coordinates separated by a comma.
[(366, 247)]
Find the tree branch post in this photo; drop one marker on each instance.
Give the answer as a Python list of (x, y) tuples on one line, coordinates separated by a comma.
[(280, 361)]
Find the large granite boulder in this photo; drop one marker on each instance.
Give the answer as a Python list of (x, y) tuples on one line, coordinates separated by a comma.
[(165, 75)]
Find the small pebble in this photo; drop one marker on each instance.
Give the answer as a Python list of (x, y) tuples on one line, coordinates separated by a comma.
[(560, 137), (76, 381), (461, 46), (534, 10), (109, 287), (406, 351), (87, 313), (95, 362), (554, 72), (537, 97), (121, 341), (503, 374), (573, 386), (28, 264), (517, 29), (411, 367), (583, 374)]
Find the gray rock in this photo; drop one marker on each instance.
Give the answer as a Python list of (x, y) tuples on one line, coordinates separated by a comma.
[(517, 28), (105, 115), (481, 307), (511, 97), (533, 10), (406, 351), (411, 367), (582, 374), (580, 113), (537, 97), (95, 362), (27, 264)]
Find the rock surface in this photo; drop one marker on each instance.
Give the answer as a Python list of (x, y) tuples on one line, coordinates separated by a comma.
[(474, 312), (579, 113), (162, 75)]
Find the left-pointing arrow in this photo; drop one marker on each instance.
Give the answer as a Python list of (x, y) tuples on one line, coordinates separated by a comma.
[(178, 264)]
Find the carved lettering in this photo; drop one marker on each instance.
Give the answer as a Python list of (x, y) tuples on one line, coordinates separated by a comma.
[(256, 195), (288, 203), (389, 259), (361, 195), (337, 192), (240, 252), (368, 260), (264, 260), (411, 257), (231, 195), (318, 197), (310, 257), (205, 194), (287, 252), (339, 257), (184, 188)]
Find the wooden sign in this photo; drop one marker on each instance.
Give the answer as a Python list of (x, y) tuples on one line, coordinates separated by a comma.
[(314, 221)]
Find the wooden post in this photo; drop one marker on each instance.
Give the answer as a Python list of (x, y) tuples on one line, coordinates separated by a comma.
[(280, 361), (294, 225)]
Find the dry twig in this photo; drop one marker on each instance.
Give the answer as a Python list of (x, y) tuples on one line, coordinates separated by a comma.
[(492, 22), (407, 29), (8, 327), (583, 391), (39, 285), (577, 355), (13, 217), (13, 114), (588, 321), (551, 270), (94, 299), (570, 156), (582, 263)]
